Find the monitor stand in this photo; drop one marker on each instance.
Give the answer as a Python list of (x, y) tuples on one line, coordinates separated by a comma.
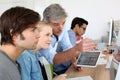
[(109, 46)]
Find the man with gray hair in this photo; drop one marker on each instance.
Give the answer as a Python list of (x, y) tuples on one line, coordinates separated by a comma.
[(56, 15)]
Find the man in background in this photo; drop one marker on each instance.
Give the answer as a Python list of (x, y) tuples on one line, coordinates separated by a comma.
[(78, 28)]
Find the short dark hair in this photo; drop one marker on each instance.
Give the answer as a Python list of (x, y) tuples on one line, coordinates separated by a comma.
[(79, 21), (16, 20)]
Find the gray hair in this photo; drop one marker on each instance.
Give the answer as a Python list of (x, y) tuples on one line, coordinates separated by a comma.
[(54, 12)]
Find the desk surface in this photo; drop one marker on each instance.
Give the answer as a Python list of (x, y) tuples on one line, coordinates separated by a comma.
[(98, 73)]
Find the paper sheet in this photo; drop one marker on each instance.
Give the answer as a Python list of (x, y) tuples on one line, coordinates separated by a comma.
[(81, 78)]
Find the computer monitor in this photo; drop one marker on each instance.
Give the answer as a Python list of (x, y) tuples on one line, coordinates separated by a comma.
[(118, 39), (111, 32)]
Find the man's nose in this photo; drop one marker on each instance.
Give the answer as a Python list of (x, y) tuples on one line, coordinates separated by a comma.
[(60, 27)]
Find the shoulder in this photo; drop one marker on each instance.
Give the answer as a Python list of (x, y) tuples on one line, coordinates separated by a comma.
[(27, 54), (4, 60), (4, 74), (26, 57), (70, 31), (6, 67)]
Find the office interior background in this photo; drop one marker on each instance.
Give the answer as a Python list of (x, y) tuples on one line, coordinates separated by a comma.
[(97, 12)]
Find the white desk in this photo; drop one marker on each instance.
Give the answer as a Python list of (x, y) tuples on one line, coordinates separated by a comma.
[(98, 73), (118, 74)]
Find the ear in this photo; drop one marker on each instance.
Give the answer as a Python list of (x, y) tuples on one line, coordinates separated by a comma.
[(13, 36), (11, 32)]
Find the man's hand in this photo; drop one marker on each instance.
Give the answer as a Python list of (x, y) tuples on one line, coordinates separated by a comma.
[(86, 45), (75, 65)]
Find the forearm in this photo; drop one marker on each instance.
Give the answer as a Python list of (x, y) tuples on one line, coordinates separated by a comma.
[(65, 56), (84, 46)]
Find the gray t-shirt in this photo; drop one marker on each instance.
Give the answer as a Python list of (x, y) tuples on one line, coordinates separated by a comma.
[(8, 68)]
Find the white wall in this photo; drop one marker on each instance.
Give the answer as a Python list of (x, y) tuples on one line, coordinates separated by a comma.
[(6, 4), (97, 12)]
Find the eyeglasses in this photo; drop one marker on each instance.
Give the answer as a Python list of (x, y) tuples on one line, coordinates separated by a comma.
[(58, 24), (83, 28)]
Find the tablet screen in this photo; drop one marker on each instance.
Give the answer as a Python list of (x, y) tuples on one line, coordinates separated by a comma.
[(88, 59)]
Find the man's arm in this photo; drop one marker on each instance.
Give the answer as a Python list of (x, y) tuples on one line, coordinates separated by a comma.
[(65, 56), (83, 46)]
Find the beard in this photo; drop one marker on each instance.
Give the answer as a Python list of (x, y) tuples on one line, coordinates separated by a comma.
[(22, 37)]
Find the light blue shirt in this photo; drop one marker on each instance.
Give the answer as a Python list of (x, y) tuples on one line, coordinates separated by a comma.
[(30, 69), (72, 37), (63, 44)]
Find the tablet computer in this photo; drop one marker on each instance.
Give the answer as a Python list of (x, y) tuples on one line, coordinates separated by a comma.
[(88, 59)]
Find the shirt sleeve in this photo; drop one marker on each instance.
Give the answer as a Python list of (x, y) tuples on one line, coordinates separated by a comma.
[(65, 41), (72, 37)]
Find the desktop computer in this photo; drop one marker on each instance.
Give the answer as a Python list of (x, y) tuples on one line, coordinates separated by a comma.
[(111, 32), (118, 39)]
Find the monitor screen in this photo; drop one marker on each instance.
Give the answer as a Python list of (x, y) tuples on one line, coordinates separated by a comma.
[(111, 32), (118, 39)]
